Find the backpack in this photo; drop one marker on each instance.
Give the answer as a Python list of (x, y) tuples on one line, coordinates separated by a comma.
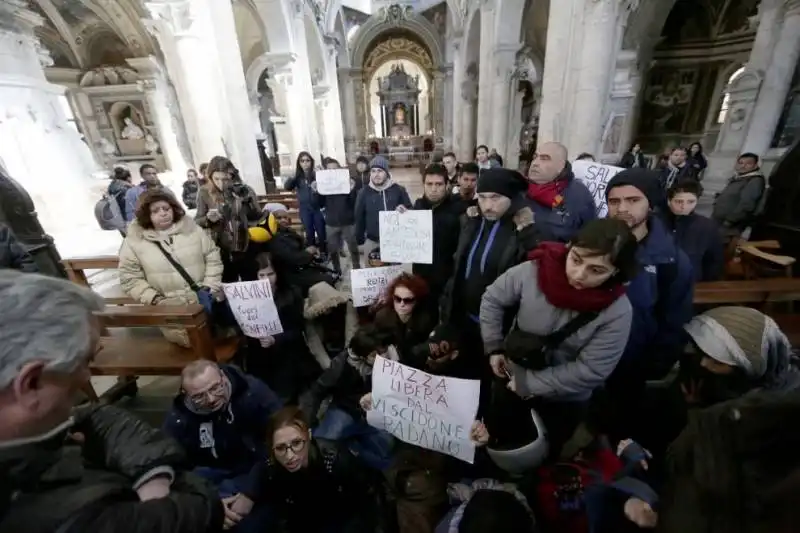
[(108, 214)]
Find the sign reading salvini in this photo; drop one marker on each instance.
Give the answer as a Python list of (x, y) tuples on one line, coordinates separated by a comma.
[(433, 412)]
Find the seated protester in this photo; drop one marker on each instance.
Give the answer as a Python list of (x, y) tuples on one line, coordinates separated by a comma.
[(735, 351), (309, 485), (736, 207), (348, 379), (227, 207), (116, 473), (728, 468), (160, 238), (561, 204), (13, 253), (293, 262), (487, 505), (572, 322), (661, 296), (418, 480), (340, 220), (467, 184), (220, 418), (381, 194), (404, 318), (330, 322), (446, 229), (283, 361), (698, 236)]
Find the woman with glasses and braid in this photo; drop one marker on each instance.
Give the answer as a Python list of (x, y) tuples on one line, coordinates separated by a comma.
[(309, 485)]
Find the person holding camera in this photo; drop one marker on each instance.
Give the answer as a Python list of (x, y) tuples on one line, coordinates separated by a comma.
[(571, 326), (226, 207)]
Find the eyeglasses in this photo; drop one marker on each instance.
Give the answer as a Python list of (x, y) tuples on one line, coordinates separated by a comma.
[(297, 446), (407, 301), (214, 390)]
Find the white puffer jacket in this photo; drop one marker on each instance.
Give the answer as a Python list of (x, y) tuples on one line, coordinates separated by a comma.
[(145, 273)]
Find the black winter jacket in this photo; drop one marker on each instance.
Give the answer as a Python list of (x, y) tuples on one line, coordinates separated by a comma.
[(343, 383), (58, 485), (190, 188), (340, 209), (701, 239), (13, 254), (293, 263), (446, 229)]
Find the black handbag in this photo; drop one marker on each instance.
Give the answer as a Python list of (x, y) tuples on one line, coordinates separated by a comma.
[(529, 350)]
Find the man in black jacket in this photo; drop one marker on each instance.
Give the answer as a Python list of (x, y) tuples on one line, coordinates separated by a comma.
[(13, 253), (97, 469)]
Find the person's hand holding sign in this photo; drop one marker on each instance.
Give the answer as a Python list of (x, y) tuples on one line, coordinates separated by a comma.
[(478, 434), (401, 209), (366, 402), (267, 342)]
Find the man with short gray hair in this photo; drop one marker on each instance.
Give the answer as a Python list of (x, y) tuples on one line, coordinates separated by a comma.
[(50, 482)]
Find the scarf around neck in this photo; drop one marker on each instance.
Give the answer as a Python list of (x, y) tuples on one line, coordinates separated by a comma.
[(550, 194), (551, 259)]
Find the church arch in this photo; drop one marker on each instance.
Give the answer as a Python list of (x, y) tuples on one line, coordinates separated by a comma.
[(388, 20)]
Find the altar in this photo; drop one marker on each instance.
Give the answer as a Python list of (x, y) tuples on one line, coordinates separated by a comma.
[(399, 104)]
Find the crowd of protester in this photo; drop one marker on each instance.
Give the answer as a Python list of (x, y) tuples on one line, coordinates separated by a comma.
[(606, 404)]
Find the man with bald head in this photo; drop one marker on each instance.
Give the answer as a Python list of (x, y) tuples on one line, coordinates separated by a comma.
[(561, 204)]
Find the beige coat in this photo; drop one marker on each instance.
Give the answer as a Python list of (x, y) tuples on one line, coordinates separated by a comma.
[(145, 273)]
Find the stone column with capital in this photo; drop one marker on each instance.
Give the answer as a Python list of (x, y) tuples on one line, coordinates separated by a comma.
[(777, 81), (437, 122), (454, 95), (468, 97), (333, 122), (348, 100), (38, 148), (172, 136), (295, 112), (485, 78), (301, 74), (502, 65)]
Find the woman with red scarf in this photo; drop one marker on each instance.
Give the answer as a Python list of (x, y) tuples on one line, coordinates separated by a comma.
[(572, 322)]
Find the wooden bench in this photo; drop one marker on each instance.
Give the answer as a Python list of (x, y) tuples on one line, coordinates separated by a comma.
[(76, 268)]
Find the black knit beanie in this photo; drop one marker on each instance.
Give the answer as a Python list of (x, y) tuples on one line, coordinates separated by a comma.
[(641, 178), (502, 181)]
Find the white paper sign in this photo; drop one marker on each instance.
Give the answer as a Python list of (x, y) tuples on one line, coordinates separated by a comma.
[(334, 181), (406, 237), (367, 284), (596, 176), (253, 307), (433, 412)]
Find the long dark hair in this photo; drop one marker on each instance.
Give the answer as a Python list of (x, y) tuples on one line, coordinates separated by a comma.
[(298, 173)]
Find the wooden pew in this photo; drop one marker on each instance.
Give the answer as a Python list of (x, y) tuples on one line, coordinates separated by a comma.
[(76, 268)]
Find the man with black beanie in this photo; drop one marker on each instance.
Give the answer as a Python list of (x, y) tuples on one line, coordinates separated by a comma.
[(495, 236), (661, 296)]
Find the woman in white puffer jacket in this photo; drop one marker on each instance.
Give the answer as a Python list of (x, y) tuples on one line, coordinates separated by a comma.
[(146, 274)]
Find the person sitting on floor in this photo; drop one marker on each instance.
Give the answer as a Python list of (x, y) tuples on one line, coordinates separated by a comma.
[(310, 485), (219, 418), (348, 379)]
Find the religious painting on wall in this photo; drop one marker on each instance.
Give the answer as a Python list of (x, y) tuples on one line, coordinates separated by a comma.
[(437, 15), (667, 100)]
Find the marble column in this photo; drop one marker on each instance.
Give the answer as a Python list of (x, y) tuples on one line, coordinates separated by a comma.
[(295, 109), (333, 121), (437, 109), (348, 99), (468, 97), (238, 130), (38, 147), (776, 84), (447, 94), (454, 96), (485, 75), (321, 103), (301, 73), (596, 68), (503, 66), (155, 86), (186, 54)]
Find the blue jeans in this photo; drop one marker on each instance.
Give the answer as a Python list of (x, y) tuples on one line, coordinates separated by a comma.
[(314, 223), (227, 482), (372, 445)]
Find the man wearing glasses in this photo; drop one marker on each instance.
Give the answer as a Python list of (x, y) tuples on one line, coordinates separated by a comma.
[(114, 473), (220, 418)]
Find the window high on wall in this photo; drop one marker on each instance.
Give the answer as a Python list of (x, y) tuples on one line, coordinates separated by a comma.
[(726, 97)]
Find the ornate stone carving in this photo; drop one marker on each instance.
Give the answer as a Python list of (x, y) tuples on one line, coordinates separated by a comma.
[(469, 87), (176, 15), (282, 75), (391, 48), (394, 14), (524, 69), (45, 59)]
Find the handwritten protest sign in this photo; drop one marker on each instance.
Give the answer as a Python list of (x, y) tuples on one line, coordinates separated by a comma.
[(253, 307), (596, 176), (334, 181), (367, 284), (406, 237), (433, 412)]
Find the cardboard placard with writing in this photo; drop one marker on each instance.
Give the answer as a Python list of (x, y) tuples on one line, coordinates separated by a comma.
[(432, 412), (368, 284), (253, 307), (596, 177), (334, 181), (406, 237)]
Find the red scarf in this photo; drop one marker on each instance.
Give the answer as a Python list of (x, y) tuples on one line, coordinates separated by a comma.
[(551, 258), (550, 194)]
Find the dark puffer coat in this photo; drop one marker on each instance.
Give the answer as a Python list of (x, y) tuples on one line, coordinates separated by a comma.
[(13, 253), (58, 485)]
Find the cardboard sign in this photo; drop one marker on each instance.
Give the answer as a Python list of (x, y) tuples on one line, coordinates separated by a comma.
[(406, 237), (432, 412), (596, 176), (368, 284), (335, 181), (253, 307)]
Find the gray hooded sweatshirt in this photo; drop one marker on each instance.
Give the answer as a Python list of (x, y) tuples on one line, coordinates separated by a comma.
[(581, 363)]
